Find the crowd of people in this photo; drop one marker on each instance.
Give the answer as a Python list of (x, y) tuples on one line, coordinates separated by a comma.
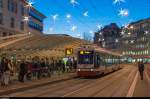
[(32, 69)]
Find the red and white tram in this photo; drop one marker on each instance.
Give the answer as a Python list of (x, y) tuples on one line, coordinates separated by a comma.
[(93, 61)]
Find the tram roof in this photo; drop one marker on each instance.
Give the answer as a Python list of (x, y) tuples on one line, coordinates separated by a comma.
[(99, 49)]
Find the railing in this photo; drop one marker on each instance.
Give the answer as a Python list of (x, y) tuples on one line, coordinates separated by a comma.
[(24, 36), (13, 36)]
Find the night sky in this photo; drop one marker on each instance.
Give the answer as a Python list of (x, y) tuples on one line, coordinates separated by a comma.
[(89, 15)]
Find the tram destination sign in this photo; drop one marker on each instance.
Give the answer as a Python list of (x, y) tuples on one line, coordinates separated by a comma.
[(86, 52)]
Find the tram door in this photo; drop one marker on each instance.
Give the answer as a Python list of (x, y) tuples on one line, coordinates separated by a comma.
[(97, 61)]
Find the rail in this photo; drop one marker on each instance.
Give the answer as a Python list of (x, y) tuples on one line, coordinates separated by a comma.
[(13, 36)]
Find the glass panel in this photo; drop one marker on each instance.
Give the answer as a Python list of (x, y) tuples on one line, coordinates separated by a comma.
[(85, 58)]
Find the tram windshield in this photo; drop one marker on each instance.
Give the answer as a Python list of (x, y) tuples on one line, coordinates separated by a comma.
[(85, 57)]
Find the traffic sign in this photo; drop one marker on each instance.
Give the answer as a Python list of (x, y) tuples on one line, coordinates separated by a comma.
[(69, 51)]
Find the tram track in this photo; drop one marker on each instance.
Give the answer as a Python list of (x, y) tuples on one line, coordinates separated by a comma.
[(78, 86), (108, 85), (98, 81), (112, 86), (45, 88)]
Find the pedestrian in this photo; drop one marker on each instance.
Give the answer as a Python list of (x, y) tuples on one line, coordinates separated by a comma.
[(39, 69), (5, 72), (23, 71), (29, 70), (1, 70), (51, 67), (141, 69), (63, 67), (48, 69), (59, 67), (43, 65), (11, 69)]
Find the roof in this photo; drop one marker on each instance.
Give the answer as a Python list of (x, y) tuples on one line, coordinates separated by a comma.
[(38, 12), (139, 21), (33, 8), (107, 51)]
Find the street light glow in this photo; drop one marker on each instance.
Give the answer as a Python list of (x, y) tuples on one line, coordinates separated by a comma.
[(74, 2), (26, 19), (131, 27), (123, 12), (68, 16), (29, 4), (85, 14), (54, 17), (129, 33), (73, 28), (118, 1), (99, 26)]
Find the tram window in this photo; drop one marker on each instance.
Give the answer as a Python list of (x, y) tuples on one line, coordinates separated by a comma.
[(96, 61), (85, 58)]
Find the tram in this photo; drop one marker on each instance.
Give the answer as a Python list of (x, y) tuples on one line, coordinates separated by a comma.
[(94, 61)]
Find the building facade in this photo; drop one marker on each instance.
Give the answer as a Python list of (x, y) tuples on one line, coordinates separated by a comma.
[(136, 42), (12, 13), (108, 37)]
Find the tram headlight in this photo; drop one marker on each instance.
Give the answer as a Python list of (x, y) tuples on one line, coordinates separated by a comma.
[(79, 69), (92, 70)]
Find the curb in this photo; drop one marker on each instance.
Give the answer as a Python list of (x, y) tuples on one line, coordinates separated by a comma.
[(10, 91)]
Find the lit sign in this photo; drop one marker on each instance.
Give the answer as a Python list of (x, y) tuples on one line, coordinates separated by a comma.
[(86, 52), (69, 51)]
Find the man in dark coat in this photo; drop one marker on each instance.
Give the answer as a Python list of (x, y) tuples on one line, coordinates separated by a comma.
[(141, 69), (23, 71)]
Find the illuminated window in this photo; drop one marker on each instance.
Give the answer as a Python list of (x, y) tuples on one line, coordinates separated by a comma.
[(149, 60)]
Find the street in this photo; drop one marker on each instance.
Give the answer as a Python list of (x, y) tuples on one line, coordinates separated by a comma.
[(117, 84)]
